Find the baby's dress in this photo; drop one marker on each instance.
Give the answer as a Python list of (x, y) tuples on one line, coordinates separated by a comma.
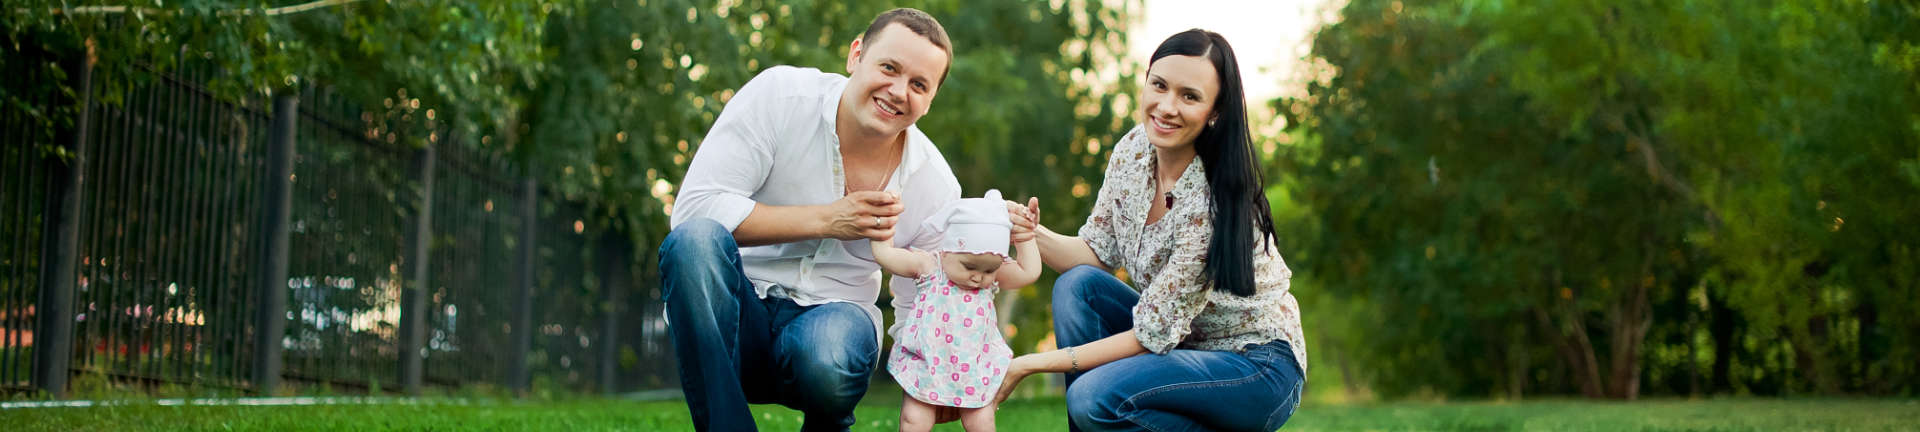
[(950, 353)]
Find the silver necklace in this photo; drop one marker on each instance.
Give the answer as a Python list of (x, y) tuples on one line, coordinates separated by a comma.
[(892, 165)]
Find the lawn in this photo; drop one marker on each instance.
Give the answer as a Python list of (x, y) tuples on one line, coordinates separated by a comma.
[(1024, 415)]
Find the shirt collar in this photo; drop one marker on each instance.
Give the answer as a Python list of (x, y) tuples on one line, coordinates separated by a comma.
[(919, 147), (1196, 171), (830, 105)]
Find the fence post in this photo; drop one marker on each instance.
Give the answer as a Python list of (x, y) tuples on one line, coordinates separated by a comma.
[(53, 354), (518, 376), (413, 300), (270, 319), (616, 257)]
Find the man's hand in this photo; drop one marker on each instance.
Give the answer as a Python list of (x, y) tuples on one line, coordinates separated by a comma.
[(1024, 218), (864, 215)]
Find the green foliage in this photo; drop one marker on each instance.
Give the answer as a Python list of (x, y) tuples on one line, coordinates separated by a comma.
[(606, 101), (881, 411), (631, 87), (1562, 195), (452, 53)]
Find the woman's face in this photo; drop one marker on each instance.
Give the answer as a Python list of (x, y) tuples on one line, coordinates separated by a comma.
[(1178, 100)]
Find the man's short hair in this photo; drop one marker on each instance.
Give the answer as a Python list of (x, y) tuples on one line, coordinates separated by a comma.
[(921, 24)]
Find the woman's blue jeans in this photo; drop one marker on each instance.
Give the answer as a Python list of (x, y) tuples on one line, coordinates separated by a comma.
[(736, 348), (1182, 390)]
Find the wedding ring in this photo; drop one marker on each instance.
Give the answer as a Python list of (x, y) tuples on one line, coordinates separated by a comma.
[(876, 222)]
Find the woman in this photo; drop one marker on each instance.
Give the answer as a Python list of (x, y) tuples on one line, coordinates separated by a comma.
[(1212, 339)]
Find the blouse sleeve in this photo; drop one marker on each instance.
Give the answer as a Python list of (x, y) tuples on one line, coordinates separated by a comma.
[(1167, 308), (1098, 231)]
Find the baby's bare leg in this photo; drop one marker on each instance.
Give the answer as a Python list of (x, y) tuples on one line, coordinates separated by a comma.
[(915, 416), (977, 419)]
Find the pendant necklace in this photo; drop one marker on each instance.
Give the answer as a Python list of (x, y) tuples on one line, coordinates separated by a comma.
[(893, 166), (1156, 182)]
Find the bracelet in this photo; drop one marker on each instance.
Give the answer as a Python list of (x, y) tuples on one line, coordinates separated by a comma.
[(1074, 360)]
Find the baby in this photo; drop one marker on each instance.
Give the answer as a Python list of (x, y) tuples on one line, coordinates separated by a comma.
[(950, 351)]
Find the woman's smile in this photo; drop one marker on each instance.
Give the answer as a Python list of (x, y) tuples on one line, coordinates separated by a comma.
[(1162, 127)]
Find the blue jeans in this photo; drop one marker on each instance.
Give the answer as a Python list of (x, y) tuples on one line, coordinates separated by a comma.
[(1182, 390), (737, 349)]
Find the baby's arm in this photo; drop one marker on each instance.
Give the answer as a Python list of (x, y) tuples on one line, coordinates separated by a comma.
[(1025, 267), (899, 261)]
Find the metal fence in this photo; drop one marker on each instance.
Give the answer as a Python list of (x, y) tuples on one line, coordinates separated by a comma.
[(287, 243)]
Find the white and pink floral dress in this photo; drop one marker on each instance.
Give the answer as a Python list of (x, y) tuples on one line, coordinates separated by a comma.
[(950, 353)]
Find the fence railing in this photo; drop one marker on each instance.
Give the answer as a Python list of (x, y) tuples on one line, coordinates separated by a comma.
[(179, 238)]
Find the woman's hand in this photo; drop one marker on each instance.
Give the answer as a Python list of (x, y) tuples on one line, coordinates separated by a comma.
[(1033, 207), (1017, 370), (1026, 219)]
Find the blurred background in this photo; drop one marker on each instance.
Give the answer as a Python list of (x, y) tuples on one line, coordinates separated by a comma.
[(1481, 199)]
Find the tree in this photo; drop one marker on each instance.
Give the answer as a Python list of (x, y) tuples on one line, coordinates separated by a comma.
[(1539, 177), (606, 101), (629, 91), (463, 54)]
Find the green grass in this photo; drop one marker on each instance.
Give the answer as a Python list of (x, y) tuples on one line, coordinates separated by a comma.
[(880, 413)]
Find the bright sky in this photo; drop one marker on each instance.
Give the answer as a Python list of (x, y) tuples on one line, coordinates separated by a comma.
[(1268, 36)]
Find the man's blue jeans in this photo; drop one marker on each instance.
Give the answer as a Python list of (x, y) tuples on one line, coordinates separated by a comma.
[(736, 348), (1179, 391)]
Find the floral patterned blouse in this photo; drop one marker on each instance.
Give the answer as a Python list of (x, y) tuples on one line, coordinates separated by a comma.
[(1166, 260)]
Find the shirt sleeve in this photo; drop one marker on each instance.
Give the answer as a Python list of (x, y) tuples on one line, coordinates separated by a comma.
[(925, 239), (736, 156), (1167, 308), (1098, 231)]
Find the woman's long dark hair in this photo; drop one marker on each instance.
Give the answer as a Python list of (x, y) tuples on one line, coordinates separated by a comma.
[(1233, 171)]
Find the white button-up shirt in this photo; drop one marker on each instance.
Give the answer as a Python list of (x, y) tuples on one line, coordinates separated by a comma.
[(775, 144)]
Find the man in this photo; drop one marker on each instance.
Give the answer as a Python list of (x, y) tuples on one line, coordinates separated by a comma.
[(770, 287)]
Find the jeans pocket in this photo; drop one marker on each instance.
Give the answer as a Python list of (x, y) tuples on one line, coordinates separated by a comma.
[(1271, 354), (1285, 409)]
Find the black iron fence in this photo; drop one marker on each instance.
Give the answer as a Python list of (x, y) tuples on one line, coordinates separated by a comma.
[(291, 242)]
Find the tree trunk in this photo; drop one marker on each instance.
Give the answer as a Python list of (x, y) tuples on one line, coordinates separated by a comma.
[(1630, 321), (1569, 339), (1348, 379), (1693, 352), (1722, 327), (1810, 356), (1869, 347), (1517, 366), (1630, 318), (1336, 352)]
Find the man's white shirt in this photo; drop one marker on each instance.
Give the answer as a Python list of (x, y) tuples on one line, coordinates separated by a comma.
[(775, 144)]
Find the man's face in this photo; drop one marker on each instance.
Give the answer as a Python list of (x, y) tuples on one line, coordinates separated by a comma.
[(892, 81)]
